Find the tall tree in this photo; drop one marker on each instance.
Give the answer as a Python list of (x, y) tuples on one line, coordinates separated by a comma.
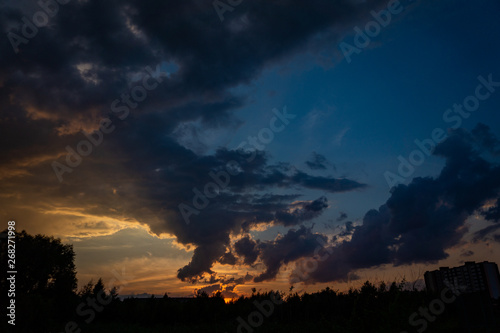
[(45, 282)]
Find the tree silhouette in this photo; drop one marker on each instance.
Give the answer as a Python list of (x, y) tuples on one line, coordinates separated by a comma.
[(87, 290), (44, 264), (45, 281)]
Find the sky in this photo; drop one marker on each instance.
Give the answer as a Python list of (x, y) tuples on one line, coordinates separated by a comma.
[(187, 146)]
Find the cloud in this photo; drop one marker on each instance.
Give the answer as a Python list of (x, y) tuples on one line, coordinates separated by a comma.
[(317, 162), (66, 77), (209, 289), (224, 285), (233, 210), (342, 217), (349, 229), (420, 221), (492, 213), (467, 253), (247, 249), (203, 258), (228, 259), (331, 185), (302, 211), (295, 244), (485, 232)]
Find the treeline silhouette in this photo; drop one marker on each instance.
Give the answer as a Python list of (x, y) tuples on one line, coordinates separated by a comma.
[(47, 301)]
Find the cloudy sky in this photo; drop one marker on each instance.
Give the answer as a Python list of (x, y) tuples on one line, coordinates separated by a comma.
[(226, 145)]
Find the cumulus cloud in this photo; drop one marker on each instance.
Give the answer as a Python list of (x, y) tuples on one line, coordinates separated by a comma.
[(246, 248), (348, 229), (295, 244), (302, 211), (420, 221)]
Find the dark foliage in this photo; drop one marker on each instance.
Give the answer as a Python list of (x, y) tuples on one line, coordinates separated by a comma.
[(45, 282), (368, 309)]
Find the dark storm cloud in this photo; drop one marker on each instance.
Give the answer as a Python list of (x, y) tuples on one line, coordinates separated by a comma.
[(321, 183), (349, 229), (247, 249), (317, 162), (232, 211), (66, 77), (170, 172), (304, 212), (423, 219), (121, 38), (295, 244), (203, 258), (228, 259)]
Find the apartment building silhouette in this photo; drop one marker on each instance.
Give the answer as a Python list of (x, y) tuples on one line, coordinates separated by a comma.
[(470, 277)]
